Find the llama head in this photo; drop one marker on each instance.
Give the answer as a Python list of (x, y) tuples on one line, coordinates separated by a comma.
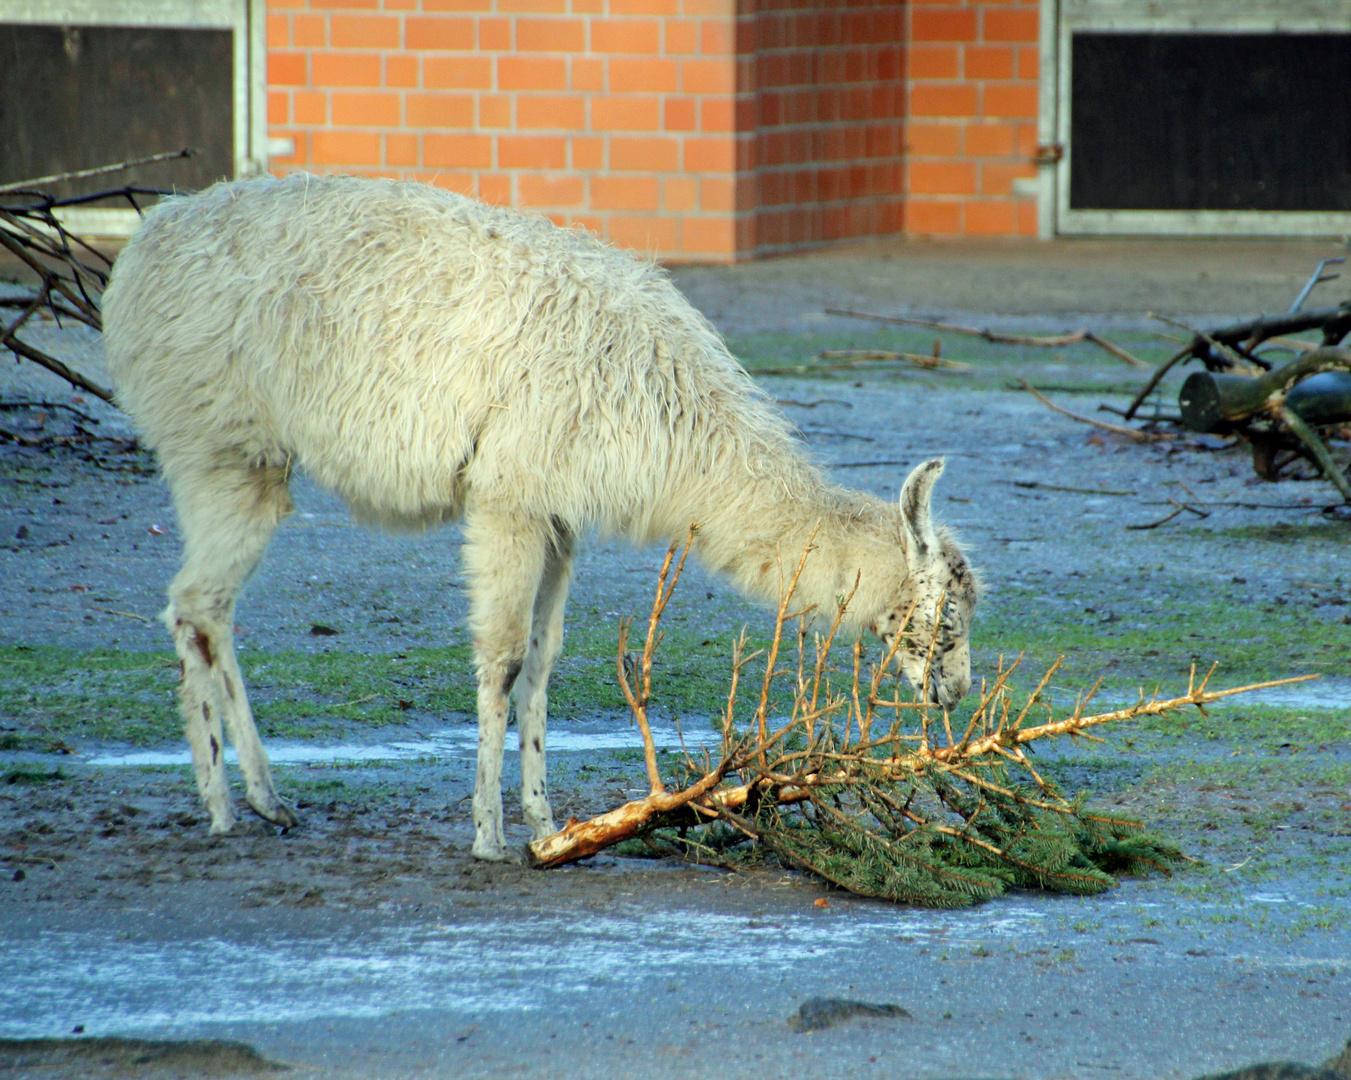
[(935, 603)]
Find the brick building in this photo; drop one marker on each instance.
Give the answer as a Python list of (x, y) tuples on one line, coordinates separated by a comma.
[(718, 130), (696, 129)]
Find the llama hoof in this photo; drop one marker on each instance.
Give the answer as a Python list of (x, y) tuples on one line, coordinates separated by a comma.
[(222, 824), (497, 853), (249, 828), (539, 832), (277, 812)]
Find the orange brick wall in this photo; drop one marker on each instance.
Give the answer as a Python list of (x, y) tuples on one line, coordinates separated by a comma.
[(703, 130), (830, 97), (615, 114), (972, 116)]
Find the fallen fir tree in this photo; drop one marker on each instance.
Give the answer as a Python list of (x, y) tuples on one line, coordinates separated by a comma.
[(880, 795)]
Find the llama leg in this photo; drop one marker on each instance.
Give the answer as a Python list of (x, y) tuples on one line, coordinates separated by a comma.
[(227, 517), (259, 791), (504, 558), (200, 707), (532, 688)]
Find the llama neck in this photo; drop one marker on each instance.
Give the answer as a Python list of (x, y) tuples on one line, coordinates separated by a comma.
[(757, 538)]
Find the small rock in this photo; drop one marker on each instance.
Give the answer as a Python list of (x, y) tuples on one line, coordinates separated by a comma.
[(819, 1013)]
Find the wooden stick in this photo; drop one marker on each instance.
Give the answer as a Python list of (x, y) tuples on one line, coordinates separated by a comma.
[(1115, 350), (993, 336), (1315, 446), (60, 178), (998, 338), (57, 368), (1138, 436), (1159, 372), (579, 839), (918, 359)]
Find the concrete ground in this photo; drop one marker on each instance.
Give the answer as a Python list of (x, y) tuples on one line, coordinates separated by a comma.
[(448, 969)]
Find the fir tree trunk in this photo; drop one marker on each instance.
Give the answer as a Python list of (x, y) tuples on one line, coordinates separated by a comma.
[(1316, 387)]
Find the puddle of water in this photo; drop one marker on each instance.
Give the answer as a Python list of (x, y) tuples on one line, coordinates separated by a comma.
[(459, 741), (462, 741), (1324, 693), (491, 965), (543, 962)]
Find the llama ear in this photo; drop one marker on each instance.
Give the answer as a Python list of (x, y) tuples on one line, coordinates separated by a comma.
[(915, 495)]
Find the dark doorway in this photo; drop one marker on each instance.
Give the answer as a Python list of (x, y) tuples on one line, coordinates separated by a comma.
[(1164, 121), (76, 97)]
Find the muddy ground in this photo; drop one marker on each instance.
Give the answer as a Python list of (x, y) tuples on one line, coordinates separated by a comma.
[(368, 943)]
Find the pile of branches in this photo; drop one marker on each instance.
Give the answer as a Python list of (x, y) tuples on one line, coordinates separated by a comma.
[(873, 792), (1284, 410), (1284, 406), (70, 274)]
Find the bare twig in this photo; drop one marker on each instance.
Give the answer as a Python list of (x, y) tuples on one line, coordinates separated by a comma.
[(1315, 446), (640, 694), (1114, 349), (57, 368), (102, 170), (142, 618), (1159, 372), (1132, 433), (1179, 508), (1061, 487), (1316, 278), (997, 337), (918, 359), (1232, 356)]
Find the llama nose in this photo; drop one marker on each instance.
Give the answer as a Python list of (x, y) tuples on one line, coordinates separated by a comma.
[(947, 696)]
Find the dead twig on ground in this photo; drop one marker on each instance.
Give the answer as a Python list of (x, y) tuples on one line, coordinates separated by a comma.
[(1117, 429), (1179, 509), (1060, 487), (850, 359), (918, 359), (813, 404), (142, 618), (998, 337)]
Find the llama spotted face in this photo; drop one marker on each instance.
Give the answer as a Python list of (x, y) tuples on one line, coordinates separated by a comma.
[(938, 597)]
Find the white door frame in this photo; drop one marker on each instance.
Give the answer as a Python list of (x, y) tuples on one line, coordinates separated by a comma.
[(1060, 18)]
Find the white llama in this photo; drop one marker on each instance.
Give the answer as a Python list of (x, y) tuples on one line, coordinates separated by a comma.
[(428, 357)]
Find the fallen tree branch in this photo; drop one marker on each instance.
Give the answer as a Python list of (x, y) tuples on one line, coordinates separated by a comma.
[(918, 359), (1335, 324), (55, 366), (68, 285), (1209, 401), (102, 170), (999, 338), (1117, 429), (915, 808), (1306, 435), (1179, 509), (1060, 487)]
